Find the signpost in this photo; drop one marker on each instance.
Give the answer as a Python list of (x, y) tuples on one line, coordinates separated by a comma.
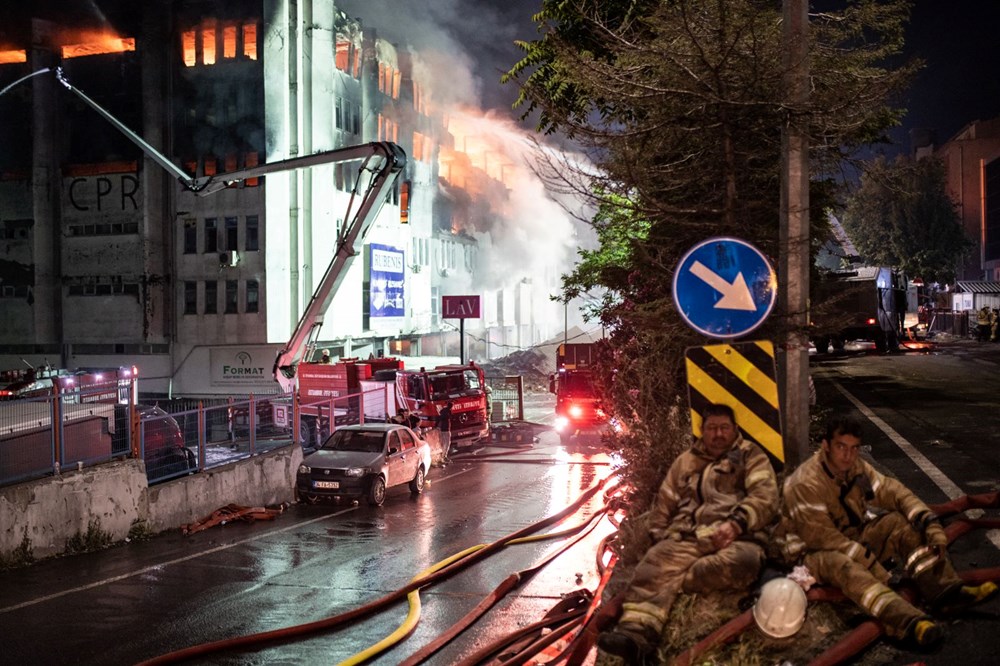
[(460, 308), (725, 288)]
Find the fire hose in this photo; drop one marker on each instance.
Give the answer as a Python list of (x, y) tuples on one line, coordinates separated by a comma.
[(437, 573), (870, 630)]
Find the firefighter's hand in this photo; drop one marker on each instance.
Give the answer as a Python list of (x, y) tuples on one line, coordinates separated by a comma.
[(935, 537), (725, 534)]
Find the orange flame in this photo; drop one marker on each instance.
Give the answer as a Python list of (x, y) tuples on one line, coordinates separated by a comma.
[(7, 57), (96, 43)]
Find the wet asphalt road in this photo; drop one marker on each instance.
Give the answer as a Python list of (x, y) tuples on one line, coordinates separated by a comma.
[(135, 602), (941, 403)]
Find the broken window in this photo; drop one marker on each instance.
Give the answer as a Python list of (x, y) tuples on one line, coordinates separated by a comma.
[(188, 48), (229, 42), (208, 44), (250, 40), (343, 55), (251, 161)]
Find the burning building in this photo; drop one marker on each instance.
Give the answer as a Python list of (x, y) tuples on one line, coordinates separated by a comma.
[(108, 260)]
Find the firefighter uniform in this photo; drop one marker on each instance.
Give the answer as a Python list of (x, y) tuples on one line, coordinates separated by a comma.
[(697, 496), (983, 324), (845, 529)]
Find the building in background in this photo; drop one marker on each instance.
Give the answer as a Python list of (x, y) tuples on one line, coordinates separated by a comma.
[(972, 160), (107, 260)]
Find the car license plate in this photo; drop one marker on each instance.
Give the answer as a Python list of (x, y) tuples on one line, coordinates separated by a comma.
[(328, 485)]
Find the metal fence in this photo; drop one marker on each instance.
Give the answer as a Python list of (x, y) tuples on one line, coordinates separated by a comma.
[(173, 437), (71, 430)]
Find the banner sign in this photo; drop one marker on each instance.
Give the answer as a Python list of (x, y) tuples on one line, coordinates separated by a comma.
[(460, 307), (386, 279)]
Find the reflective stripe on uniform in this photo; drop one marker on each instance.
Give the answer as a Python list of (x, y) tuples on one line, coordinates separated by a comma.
[(647, 615), (916, 555), (877, 483), (759, 475), (796, 509), (668, 491), (853, 551), (875, 598), (912, 513)]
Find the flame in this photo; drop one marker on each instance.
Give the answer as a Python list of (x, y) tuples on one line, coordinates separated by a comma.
[(7, 57), (96, 43)]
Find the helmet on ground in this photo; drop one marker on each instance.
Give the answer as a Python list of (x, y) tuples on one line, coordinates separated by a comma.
[(781, 608)]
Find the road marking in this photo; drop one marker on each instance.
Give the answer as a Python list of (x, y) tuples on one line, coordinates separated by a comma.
[(947, 486), (139, 572)]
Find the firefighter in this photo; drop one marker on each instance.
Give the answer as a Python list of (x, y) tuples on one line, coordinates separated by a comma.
[(847, 522), (706, 525), (994, 320), (983, 324), (325, 356)]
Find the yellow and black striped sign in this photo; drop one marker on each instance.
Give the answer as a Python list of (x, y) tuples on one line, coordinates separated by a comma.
[(742, 376)]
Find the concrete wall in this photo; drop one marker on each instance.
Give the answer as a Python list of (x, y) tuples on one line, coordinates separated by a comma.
[(53, 510)]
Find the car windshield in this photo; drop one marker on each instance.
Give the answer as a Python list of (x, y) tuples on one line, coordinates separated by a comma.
[(364, 441)]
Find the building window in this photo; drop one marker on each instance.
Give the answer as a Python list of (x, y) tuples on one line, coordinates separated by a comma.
[(229, 42), (190, 298), (232, 296), (190, 236), (252, 242), (211, 235), (208, 44), (188, 48), (252, 296), (232, 234), (250, 40), (211, 297)]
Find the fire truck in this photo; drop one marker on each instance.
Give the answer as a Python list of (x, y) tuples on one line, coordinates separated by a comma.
[(381, 164), (578, 408)]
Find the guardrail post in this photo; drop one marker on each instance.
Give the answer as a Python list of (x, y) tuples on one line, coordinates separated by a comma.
[(57, 432), (252, 422), (296, 417), (201, 435)]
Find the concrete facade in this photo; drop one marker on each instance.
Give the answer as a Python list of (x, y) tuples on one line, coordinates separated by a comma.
[(45, 514), (110, 262), (972, 160)]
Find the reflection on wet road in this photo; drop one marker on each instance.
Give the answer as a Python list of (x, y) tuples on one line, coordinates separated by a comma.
[(144, 599)]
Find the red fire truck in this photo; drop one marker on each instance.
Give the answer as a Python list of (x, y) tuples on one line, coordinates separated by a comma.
[(578, 408)]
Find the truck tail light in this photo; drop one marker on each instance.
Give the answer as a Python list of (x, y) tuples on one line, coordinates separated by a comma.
[(575, 411), (870, 321)]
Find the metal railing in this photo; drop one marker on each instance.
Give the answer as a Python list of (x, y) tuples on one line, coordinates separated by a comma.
[(173, 437), (68, 430)]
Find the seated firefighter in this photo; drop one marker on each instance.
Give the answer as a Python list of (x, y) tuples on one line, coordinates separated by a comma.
[(706, 524), (847, 523)]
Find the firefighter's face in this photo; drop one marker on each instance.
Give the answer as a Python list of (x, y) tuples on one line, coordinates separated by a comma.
[(842, 452), (718, 434)]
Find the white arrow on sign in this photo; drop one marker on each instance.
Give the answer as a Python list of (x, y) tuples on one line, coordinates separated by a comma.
[(735, 296)]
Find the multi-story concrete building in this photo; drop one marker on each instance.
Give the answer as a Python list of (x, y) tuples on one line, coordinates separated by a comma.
[(107, 260), (972, 160)]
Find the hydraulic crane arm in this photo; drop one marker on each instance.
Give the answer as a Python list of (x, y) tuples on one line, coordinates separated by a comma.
[(381, 162)]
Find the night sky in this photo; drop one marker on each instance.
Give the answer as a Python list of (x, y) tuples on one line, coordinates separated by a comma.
[(957, 38)]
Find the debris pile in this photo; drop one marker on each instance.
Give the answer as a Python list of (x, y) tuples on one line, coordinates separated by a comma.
[(531, 364)]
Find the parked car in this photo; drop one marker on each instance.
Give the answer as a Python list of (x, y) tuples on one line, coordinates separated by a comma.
[(163, 444), (364, 461)]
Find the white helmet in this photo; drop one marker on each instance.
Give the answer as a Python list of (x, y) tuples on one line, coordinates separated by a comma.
[(781, 608)]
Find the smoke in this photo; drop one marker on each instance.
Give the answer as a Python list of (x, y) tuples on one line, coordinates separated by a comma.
[(460, 48)]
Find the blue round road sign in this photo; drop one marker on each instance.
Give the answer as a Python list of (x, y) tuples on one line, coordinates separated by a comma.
[(724, 287)]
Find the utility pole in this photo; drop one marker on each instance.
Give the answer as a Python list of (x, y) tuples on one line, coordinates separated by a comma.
[(793, 265)]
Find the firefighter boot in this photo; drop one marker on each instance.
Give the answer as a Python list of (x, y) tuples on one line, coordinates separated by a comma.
[(926, 634), (964, 596), (630, 641)]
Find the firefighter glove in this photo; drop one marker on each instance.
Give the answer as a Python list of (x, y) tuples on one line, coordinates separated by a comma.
[(935, 537)]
